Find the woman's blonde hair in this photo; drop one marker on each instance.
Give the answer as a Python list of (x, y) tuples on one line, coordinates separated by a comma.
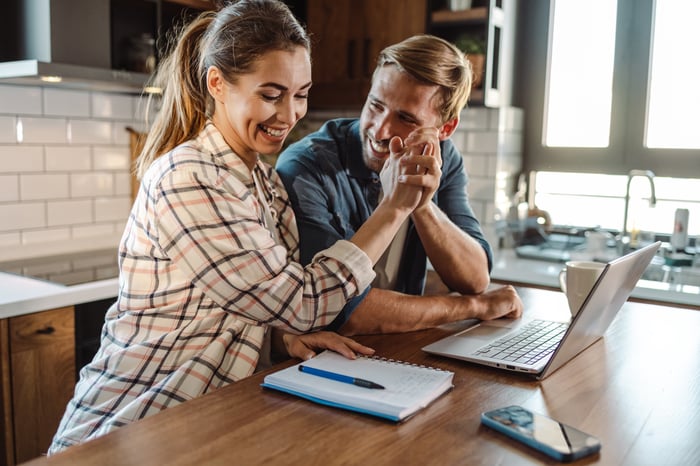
[(231, 39), (433, 61)]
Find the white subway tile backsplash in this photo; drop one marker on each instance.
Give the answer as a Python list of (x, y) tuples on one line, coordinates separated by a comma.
[(64, 153), (90, 132), (18, 158), (68, 158), (476, 165), (122, 184), (481, 188), (111, 157), (9, 188), (94, 230), (475, 118), (72, 212), (91, 184), (43, 186), (9, 240), (65, 102), (120, 136), (45, 236), (20, 100), (482, 141), (8, 129), (112, 209), (18, 216), (42, 130), (116, 106)]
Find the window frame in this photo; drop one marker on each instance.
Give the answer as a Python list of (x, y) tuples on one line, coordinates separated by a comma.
[(626, 150)]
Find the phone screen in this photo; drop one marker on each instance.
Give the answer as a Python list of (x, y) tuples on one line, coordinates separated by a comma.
[(544, 433)]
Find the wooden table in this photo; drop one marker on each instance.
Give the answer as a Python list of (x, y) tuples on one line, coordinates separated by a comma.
[(645, 409)]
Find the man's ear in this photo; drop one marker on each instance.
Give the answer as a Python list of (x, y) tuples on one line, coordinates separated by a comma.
[(215, 83), (448, 128)]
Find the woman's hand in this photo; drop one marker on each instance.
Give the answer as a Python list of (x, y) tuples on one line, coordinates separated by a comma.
[(424, 157), (305, 346), (399, 195)]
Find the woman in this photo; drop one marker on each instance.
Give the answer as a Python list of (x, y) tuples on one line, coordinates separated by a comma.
[(208, 260)]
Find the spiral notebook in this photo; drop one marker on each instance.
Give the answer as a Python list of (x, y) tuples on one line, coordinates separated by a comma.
[(408, 388)]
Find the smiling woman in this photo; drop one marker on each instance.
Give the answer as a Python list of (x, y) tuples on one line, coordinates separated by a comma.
[(208, 263)]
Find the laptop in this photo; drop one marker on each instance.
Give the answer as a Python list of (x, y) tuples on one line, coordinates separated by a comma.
[(485, 343)]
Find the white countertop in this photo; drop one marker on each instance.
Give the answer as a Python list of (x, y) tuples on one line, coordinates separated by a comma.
[(508, 267), (21, 295)]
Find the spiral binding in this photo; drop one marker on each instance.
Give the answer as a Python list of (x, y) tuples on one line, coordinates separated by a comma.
[(403, 363)]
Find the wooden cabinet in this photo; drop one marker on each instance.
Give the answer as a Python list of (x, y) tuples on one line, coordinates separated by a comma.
[(347, 36), (493, 22), (37, 361)]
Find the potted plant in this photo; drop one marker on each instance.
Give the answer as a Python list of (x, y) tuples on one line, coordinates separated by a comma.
[(475, 50)]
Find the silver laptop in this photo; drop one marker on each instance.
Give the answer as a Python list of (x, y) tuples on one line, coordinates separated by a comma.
[(508, 344)]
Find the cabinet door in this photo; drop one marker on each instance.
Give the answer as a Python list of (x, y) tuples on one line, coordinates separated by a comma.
[(42, 358), (347, 36)]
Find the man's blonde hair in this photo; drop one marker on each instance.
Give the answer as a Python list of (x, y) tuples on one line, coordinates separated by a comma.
[(433, 61)]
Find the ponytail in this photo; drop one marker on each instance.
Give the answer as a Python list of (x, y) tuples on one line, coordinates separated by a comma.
[(183, 110)]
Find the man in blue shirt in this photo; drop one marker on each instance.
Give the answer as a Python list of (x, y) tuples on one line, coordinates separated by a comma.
[(332, 176)]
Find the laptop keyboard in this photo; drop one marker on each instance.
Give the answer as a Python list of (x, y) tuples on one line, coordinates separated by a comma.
[(533, 342)]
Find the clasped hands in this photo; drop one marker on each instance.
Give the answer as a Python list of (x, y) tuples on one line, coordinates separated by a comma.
[(411, 174)]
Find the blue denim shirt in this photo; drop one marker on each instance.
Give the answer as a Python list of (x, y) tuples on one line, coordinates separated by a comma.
[(333, 193)]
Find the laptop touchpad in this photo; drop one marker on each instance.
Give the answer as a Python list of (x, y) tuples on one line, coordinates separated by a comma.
[(485, 332)]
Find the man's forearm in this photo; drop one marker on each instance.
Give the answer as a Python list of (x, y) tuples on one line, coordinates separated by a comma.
[(386, 311), (458, 258)]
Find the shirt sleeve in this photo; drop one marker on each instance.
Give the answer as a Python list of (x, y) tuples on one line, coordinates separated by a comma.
[(210, 229)]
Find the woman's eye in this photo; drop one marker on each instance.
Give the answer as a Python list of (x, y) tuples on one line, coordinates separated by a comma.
[(302, 96), (271, 98)]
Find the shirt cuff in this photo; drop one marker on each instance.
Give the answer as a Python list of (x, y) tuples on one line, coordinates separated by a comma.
[(354, 259)]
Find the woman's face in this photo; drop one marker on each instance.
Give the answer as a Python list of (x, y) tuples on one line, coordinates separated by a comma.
[(257, 112)]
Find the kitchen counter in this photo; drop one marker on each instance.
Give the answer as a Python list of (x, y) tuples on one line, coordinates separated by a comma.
[(22, 295), (508, 267)]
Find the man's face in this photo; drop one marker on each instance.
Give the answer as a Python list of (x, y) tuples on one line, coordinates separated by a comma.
[(397, 104)]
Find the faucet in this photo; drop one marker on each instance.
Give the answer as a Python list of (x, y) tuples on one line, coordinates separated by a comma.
[(648, 174)]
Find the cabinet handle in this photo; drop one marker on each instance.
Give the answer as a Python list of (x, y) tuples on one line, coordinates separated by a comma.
[(352, 50), (46, 331), (366, 58)]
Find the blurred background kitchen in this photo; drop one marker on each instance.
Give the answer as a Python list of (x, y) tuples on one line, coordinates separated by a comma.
[(584, 113), (581, 140)]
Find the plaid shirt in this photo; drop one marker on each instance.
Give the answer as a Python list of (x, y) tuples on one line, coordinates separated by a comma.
[(201, 279)]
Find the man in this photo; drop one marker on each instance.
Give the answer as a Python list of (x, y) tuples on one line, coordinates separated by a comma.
[(418, 90)]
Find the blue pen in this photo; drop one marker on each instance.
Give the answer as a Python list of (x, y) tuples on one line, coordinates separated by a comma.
[(340, 377)]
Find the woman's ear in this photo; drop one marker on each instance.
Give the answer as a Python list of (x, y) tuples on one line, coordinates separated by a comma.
[(215, 83), (449, 127)]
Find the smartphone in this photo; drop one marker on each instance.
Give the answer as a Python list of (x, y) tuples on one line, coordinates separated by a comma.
[(557, 440)]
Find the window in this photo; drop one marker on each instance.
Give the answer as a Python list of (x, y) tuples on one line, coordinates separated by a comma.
[(579, 91), (609, 86), (594, 200), (674, 94), (639, 54)]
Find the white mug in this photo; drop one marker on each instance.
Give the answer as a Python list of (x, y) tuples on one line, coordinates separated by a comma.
[(576, 281)]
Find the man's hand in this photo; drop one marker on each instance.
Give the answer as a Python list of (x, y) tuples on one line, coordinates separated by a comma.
[(497, 303), (424, 161), (305, 346)]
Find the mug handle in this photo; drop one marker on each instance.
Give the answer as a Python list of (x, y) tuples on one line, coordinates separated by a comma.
[(562, 279)]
